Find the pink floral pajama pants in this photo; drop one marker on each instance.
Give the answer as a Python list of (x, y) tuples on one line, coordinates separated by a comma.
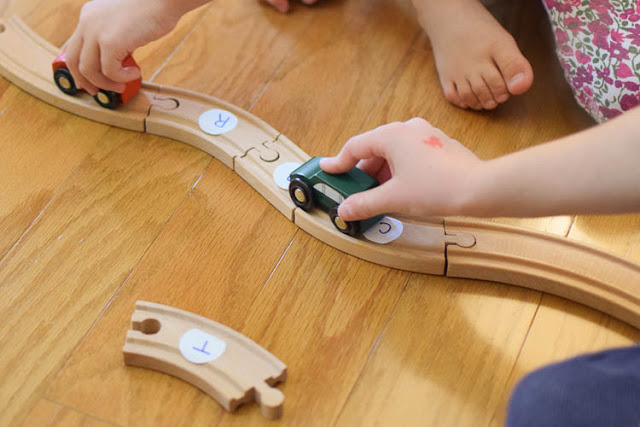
[(598, 45)]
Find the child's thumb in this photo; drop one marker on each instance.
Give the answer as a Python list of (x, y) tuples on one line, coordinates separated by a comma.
[(116, 70)]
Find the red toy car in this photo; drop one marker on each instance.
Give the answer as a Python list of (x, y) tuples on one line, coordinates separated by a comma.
[(107, 99)]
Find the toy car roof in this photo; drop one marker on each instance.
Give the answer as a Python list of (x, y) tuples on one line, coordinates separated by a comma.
[(350, 182)]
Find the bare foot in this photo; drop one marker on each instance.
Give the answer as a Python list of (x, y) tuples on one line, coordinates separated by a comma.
[(478, 62)]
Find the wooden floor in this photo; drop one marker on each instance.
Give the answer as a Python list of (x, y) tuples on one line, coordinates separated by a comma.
[(93, 218)]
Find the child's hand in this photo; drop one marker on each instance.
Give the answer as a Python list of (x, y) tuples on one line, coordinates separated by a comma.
[(422, 171), (283, 5), (108, 31)]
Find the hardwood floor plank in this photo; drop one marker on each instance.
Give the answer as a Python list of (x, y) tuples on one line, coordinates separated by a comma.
[(37, 166), (322, 312), (324, 90), (563, 329), (431, 381), (140, 217), (361, 281), (54, 21), (50, 414), (37, 159), (213, 258), (235, 51), (58, 279), (444, 356)]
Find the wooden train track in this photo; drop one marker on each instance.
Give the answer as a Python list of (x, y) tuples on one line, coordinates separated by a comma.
[(253, 149), (218, 360)]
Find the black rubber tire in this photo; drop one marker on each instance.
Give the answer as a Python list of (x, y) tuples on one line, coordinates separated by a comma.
[(63, 72), (297, 183), (114, 99), (353, 227)]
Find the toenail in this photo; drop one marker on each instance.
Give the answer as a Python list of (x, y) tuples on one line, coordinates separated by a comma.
[(491, 104), (515, 79), (502, 98)]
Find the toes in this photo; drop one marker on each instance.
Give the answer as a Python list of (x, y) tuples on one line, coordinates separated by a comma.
[(497, 85), (515, 69), (468, 96), (451, 94), (483, 92)]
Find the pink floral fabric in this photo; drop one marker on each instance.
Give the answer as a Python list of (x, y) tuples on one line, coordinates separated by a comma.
[(598, 43)]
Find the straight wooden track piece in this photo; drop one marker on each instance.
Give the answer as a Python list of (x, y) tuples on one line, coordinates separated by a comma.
[(218, 360)]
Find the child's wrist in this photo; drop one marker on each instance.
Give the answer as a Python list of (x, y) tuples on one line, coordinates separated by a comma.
[(476, 196)]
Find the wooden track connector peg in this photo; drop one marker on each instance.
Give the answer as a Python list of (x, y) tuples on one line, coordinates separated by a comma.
[(218, 360)]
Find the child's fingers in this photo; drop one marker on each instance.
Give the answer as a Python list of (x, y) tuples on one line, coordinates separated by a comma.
[(91, 69), (113, 69), (373, 166), (72, 58), (364, 146), (369, 203)]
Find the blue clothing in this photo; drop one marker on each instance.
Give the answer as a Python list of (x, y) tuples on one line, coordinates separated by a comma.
[(600, 389)]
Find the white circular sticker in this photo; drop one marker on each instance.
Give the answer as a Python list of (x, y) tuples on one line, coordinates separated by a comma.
[(217, 122), (387, 230), (282, 172), (200, 347)]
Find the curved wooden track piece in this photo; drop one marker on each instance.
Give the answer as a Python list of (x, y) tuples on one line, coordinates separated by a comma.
[(254, 150), (550, 264), (242, 372)]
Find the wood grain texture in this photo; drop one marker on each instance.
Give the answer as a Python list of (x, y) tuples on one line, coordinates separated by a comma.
[(336, 71), (209, 260), (562, 330), (236, 50), (546, 112), (50, 414), (39, 167), (421, 375), (234, 371), (33, 172), (376, 314), (349, 331), (252, 147), (58, 278), (550, 264)]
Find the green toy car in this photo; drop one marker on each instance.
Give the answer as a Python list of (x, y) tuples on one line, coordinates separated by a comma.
[(310, 186)]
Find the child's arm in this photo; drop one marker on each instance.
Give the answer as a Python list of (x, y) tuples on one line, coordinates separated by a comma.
[(109, 30), (425, 173)]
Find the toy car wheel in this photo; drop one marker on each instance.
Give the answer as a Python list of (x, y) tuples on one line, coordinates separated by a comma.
[(64, 80), (301, 194), (352, 228), (107, 99)]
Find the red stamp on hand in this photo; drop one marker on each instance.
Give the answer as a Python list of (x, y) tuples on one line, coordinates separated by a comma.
[(433, 142)]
